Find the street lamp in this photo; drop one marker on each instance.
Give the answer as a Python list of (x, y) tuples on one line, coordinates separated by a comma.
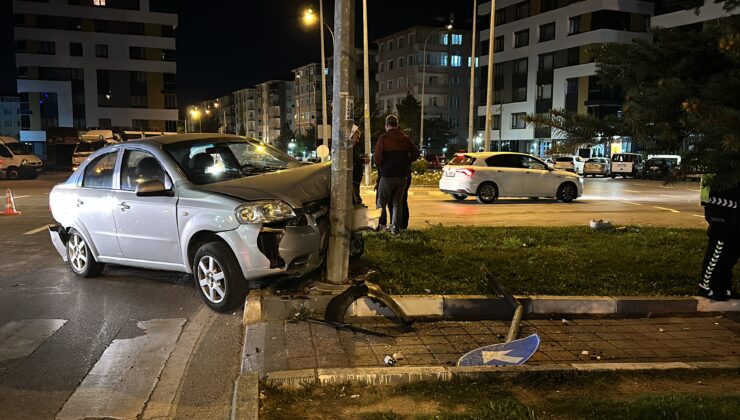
[(309, 17), (195, 115), (424, 82)]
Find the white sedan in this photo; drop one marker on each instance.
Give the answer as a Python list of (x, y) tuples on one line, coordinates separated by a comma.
[(488, 176)]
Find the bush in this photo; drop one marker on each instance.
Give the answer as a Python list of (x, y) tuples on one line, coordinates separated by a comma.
[(419, 167)]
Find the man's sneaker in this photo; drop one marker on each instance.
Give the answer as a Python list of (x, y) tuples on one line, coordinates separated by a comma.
[(710, 294)]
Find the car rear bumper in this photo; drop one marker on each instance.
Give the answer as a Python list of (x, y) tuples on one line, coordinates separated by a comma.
[(452, 185), (59, 240)]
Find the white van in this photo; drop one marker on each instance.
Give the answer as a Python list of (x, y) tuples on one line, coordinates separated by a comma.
[(626, 164), (17, 161), (91, 142)]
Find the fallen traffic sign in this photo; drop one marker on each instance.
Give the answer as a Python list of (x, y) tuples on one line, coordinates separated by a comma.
[(514, 353)]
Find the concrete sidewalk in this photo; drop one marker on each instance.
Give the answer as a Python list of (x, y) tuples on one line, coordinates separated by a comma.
[(292, 345)]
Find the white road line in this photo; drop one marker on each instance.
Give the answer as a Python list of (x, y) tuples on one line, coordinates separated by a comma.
[(698, 215), (691, 189), (37, 230), (667, 209), (632, 191), (629, 202), (21, 338), (121, 381), (20, 196), (669, 196)]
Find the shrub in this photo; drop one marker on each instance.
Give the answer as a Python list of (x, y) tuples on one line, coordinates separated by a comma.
[(419, 167)]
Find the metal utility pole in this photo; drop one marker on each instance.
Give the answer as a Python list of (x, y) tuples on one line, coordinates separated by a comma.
[(340, 214), (366, 89), (473, 61), (489, 90), (324, 110)]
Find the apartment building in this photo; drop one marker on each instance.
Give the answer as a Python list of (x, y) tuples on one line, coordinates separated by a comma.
[(308, 102), (542, 62), (275, 101), (401, 71), (671, 15), (245, 108), (10, 115), (97, 63)]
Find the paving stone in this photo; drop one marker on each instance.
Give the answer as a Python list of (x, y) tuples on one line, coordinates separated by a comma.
[(611, 336), (640, 353), (332, 360), (404, 341), (419, 359), (626, 344), (302, 363), (649, 344), (434, 339)]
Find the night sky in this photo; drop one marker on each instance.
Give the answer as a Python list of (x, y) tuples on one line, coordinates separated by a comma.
[(223, 46)]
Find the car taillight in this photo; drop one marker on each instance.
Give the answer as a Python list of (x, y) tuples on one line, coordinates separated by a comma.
[(468, 172)]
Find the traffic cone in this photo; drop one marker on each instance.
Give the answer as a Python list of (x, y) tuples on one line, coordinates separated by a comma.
[(9, 205)]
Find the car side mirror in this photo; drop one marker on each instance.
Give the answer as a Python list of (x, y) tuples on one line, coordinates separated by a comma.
[(550, 166), (153, 188)]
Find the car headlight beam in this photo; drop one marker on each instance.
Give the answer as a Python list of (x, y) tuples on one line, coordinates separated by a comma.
[(264, 212)]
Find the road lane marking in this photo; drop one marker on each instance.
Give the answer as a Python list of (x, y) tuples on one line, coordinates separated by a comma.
[(632, 191), (698, 215), (667, 209), (21, 338), (669, 196), (37, 230), (20, 196), (121, 381), (629, 202)]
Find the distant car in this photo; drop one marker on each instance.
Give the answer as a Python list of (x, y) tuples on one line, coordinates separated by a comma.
[(488, 176), (570, 163), (434, 162), (626, 164), (596, 166), (17, 161), (90, 142), (658, 168), (225, 208)]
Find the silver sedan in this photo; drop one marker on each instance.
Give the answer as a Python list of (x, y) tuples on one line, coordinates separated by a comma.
[(225, 208)]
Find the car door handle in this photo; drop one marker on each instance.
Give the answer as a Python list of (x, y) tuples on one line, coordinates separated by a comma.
[(124, 206), (80, 202)]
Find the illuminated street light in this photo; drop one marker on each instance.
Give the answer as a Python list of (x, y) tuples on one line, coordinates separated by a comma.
[(309, 18)]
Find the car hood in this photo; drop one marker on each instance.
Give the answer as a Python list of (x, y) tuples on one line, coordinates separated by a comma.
[(295, 186)]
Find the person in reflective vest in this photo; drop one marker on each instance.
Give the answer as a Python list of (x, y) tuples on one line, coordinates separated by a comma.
[(722, 212)]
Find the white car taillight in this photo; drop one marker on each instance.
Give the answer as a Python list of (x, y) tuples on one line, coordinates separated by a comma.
[(468, 172)]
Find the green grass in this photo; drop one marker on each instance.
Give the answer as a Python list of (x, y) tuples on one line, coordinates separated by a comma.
[(537, 260), (537, 395)]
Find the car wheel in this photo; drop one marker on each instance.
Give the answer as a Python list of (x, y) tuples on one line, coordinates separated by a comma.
[(567, 192), (218, 278), (12, 172), (459, 197), (81, 260), (487, 193), (356, 245), (613, 176)]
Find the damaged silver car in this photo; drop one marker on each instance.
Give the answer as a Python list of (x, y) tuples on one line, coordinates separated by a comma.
[(225, 208)]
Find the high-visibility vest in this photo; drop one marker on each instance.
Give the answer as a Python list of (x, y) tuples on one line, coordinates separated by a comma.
[(706, 180)]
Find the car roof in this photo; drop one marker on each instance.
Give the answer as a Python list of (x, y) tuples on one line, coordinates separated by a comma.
[(177, 138), (489, 154)]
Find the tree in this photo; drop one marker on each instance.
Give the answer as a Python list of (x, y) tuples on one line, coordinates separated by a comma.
[(578, 129), (409, 113), (437, 133)]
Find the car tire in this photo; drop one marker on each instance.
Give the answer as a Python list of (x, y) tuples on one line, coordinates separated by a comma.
[(613, 176), (81, 260), (567, 192), (12, 172), (218, 277), (459, 197), (487, 193)]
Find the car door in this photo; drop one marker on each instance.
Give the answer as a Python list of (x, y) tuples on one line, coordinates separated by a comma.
[(95, 201), (537, 180), (147, 226), (507, 173)]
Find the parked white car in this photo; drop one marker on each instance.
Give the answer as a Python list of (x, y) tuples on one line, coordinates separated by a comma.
[(89, 142), (626, 164), (597, 166), (570, 163), (17, 161), (488, 176), (226, 208)]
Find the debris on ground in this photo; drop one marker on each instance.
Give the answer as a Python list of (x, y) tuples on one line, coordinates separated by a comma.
[(398, 356), (390, 361), (584, 352)]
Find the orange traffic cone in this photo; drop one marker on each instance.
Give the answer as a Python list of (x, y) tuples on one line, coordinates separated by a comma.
[(9, 205)]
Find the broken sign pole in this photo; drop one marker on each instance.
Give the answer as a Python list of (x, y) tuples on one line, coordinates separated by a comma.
[(518, 308), (340, 214)]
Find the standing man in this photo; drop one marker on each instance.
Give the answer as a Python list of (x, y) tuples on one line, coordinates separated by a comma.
[(393, 155), (722, 212), (360, 159)]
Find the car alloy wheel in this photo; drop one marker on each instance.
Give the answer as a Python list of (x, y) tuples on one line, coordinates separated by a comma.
[(211, 279), (12, 173), (487, 193), (77, 253), (567, 193)]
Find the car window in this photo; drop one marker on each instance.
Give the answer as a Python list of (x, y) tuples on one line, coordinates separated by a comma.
[(99, 172), (138, 167), (89, 146), (4, 152), (18, 148), (532, 163), (462, 160), (626, 158), (502, 161), (564, 159)]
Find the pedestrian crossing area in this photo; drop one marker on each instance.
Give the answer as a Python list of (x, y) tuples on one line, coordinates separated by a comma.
[(135, 377)]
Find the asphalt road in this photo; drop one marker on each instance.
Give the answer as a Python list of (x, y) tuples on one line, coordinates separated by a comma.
[(139, 341), (623, 201)]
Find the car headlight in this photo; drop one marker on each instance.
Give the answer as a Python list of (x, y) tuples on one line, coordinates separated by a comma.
[(264, 212), (24, 162)]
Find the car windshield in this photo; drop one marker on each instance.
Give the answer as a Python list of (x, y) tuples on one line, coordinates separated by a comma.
[(214, 160), (595, 161), (462, 160), (564, 159), (89, 146), (18, 148)]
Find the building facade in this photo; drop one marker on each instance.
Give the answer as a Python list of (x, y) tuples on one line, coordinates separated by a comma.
[(10, 116), (308, 101), (275, 101), (542, 62), (97, 63), (245, 109), (437, 57)]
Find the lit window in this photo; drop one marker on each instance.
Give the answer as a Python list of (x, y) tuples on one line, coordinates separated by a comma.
[(98, 2), (445, 39), (456, 61), (457, 39), (443, 60)]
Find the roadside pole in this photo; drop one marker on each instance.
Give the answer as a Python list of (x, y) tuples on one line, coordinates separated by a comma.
[(341, 150), (366, 91), (473, 61), (489, 90)]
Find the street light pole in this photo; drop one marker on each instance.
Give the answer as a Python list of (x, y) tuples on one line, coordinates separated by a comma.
[(424, 82), (489, 90), (473, 61), (366, 88), (324, 111)]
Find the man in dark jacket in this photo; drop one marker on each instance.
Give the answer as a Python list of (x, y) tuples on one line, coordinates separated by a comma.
[(394, 153), (722, 212), (359, 159)]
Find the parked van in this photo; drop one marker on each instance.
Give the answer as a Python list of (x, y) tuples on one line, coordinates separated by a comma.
[(626, 164), (90, 142), (17, 161)]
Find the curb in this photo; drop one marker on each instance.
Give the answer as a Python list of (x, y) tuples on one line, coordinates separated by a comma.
[(404, 375), (461, 307)]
